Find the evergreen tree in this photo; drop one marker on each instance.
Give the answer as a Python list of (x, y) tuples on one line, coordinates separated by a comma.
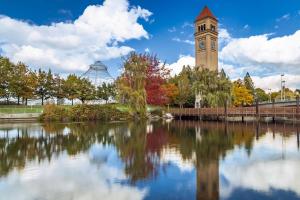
[(249, 84)]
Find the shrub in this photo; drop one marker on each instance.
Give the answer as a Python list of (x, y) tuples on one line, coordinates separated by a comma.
[(83, 113)]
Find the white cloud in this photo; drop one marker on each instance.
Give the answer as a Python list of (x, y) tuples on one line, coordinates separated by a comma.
[(224, 37), (284, 17), (246, 26), (273, 82), (187, 25), (275, 54), (172, 30), (147, 50), (96, 34), (176, 39), (176, 67)]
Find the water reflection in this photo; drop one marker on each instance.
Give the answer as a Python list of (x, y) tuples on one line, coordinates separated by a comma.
[(177, 160)]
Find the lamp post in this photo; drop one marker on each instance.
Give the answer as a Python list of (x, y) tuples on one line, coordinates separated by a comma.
[(281, 81), (270, 95), (283, 87)]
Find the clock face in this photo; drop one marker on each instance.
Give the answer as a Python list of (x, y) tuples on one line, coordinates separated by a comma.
[(201, 44)]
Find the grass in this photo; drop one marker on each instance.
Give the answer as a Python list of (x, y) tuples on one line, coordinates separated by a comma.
[(14, 109)]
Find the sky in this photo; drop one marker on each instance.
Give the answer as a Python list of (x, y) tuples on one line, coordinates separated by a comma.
[(261, 37)]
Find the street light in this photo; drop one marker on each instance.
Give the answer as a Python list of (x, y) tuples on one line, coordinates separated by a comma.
[(283, 87), (270, 94), (281, 82)]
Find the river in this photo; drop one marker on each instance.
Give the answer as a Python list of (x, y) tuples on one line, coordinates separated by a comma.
[(149, 160)]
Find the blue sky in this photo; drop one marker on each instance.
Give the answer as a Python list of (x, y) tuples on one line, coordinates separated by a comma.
[(162, 27)]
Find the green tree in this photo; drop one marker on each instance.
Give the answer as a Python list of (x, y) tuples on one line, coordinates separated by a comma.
[(70, 87), (106, 91), (249, 84), (45, 84), (183, 89), (58, 91), (85, 90), (261, 95)]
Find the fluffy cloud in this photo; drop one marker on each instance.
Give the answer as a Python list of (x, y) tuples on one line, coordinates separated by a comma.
[(279, 53), (96, 34), (177, 66)]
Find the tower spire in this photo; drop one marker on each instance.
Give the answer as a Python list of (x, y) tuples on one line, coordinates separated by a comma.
[(205, 13)]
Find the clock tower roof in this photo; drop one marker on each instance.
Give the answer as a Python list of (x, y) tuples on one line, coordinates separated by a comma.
[(205, 13)]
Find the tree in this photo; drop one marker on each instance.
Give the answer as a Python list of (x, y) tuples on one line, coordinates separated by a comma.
[(58, 91), (156, 75), (214, 88), (171, 92), (249, 84), (44, 85), (17, 83), (6, 67), (261, 95), (104, 92), (70, 87), (30, 86), (131, 84), (183, 90), (241, 95), (86, 90)]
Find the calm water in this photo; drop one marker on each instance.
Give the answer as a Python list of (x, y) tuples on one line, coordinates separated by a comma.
[(177, 160)]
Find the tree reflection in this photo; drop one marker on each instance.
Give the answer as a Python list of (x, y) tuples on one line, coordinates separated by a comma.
[(139, 145)]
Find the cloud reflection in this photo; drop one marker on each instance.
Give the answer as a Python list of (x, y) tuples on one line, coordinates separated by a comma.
[(274, 164), (67, 177)]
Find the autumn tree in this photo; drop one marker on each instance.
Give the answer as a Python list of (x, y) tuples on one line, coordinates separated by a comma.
[(30, 86), (171, 92), (156, 75), (131, 84), (6, 67), (241, 95)]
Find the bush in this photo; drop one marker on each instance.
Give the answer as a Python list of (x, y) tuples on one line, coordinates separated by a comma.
[(83, 113), (54, 113)]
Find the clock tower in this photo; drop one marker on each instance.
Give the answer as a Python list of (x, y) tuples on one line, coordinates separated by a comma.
[(206, 40)]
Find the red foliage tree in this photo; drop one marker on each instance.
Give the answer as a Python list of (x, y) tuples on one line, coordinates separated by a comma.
[(156, 76)]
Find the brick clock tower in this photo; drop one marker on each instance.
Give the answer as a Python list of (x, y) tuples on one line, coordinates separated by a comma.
[(206, 40)]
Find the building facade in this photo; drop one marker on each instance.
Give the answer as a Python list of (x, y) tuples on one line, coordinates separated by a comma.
[(206, 40)]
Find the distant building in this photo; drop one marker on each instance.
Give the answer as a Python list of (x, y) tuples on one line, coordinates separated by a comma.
[(98, 74), (206, 40)]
